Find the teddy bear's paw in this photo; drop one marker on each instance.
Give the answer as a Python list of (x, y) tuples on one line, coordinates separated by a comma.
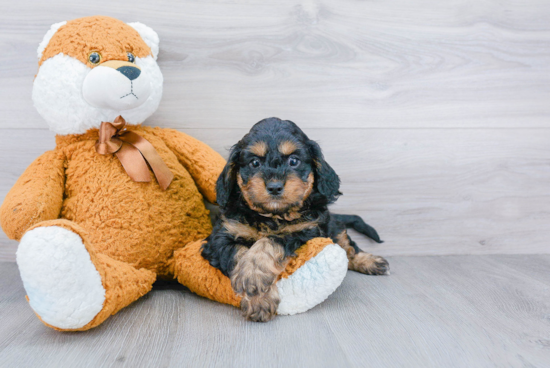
[(312, 283), (63, 286)]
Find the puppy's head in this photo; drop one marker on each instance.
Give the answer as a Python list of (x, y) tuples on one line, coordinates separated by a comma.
[(275, 168)]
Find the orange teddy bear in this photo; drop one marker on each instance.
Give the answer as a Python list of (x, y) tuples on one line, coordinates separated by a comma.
[(116, 204)]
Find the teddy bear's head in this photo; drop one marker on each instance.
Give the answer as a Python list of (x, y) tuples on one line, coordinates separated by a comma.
[(94, 69)]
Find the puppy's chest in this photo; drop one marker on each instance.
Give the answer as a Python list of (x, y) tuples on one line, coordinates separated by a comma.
[(274, 227)]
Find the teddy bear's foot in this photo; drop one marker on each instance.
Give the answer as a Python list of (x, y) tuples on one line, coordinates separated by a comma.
[(63, 286), (69, 285), (313, 282)]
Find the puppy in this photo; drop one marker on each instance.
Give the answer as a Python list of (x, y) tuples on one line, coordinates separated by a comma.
[(273, 196)]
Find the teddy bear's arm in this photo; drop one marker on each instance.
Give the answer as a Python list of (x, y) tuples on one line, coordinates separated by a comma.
[(202, 162), (36, 196)]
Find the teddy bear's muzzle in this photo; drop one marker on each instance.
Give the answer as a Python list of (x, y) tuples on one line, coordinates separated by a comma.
[(129, 70), (116, 85)]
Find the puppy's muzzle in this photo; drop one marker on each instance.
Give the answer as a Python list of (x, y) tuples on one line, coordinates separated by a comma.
[(275, 187)]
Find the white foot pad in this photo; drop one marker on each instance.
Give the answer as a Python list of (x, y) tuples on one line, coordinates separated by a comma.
[(63, 285), (314, 281)]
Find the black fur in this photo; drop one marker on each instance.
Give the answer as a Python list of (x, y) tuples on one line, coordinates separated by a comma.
[(221, 247), (355, 222)]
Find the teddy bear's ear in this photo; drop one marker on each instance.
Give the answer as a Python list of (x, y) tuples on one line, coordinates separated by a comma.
[(47, 37), (150, 37)]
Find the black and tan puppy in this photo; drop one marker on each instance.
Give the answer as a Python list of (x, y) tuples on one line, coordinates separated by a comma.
[(273, 196)]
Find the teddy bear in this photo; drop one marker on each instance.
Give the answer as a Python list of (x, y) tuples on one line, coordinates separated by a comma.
[(117, 205)]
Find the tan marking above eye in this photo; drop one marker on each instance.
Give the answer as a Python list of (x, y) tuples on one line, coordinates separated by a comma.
[(287, 147), (259, 148)]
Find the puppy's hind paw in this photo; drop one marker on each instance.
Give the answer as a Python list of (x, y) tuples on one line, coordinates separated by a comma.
[(369, 264)]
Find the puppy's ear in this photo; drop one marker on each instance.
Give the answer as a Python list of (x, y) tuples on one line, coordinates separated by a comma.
[(326, 180), (227, 180)]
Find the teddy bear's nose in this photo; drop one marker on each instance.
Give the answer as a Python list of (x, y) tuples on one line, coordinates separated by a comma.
[(130, 72)]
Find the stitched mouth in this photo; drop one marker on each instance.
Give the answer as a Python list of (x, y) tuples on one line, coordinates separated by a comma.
[(131, 91)]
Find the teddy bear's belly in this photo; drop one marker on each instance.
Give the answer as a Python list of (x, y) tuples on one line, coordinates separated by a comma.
[(138, 223)]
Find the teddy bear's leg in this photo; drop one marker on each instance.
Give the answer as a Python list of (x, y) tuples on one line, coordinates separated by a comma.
[(309, 278), (69, 285)]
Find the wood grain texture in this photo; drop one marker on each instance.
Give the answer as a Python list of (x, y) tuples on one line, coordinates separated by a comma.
[(451, 311), (325, 63), (435, 115), (427, 191)]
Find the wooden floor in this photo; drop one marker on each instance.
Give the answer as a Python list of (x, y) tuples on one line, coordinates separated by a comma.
[(437, 311)]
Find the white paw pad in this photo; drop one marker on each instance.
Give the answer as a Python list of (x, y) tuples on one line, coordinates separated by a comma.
[(314, 281), (63, 285)]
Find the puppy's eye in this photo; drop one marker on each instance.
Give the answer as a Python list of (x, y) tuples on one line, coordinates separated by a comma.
[(255, 163), (94, 57), (131, 57), (293, 161)]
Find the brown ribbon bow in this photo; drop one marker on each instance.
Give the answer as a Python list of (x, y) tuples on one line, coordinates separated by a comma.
[(133, 151)]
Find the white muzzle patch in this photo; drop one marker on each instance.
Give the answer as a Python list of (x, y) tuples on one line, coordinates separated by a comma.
[(117, 89), (69, 107)]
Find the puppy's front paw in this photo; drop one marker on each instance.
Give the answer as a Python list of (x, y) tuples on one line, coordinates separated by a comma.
[(261, 308), (369, 264), (251, 279)]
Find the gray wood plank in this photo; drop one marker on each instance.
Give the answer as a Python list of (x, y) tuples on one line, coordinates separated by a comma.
[(438, 311), (433, 191), (326, 63), (460, 311)]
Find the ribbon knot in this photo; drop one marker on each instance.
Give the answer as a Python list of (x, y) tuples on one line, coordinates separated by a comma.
[(133, 151)]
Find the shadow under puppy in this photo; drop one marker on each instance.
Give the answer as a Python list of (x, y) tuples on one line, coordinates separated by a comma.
[(273, 196)]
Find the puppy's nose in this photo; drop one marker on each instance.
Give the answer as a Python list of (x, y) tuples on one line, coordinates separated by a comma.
[(275, 187)]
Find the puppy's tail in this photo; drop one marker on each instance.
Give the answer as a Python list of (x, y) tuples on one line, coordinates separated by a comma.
[(356, 222)]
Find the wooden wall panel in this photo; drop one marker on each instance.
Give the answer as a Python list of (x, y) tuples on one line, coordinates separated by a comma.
[(428, 191), (435, 114), (325, 63)]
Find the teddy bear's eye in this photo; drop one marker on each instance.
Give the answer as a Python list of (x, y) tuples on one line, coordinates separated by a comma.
[(131, 57), (94, 57)]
